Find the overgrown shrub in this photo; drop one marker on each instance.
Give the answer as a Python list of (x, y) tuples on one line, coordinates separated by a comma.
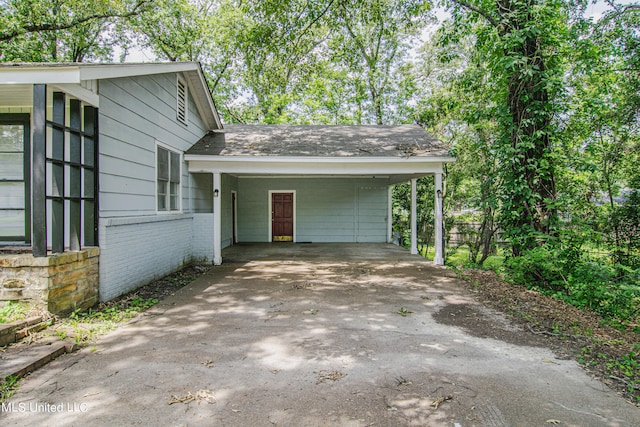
[(572, 275)]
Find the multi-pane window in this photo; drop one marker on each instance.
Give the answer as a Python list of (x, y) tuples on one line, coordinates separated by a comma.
[(168, 168), (14, 174)]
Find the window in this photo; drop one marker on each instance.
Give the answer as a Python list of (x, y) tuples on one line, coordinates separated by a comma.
[(168, 168), (15, 216), (182, 98)]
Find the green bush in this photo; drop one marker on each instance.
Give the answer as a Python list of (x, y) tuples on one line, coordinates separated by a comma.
[(540, 268), (572, 275)]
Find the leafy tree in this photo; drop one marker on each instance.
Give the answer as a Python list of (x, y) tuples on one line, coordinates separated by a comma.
[(371, 40), (602, 124), (521, 39), (64, 31), (455, 105)]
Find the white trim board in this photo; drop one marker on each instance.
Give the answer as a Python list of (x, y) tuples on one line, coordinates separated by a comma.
[(316, 166), (234, 218)]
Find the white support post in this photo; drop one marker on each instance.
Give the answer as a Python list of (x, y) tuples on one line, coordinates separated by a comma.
[(439, 244), (390, 215), (414, 216), (217, 218)]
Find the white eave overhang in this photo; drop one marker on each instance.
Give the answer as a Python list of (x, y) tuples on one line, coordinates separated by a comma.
[(342, 166), (70, 77)]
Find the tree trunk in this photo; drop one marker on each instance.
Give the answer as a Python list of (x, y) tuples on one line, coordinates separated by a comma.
[(531, 165)]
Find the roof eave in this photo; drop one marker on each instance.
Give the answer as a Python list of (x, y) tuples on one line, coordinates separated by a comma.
[(65, 74), (318, 159)]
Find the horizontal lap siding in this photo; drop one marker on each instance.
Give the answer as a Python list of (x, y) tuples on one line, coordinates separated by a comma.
[(135, 113), (202, 193), (372, 214), (327, 210)]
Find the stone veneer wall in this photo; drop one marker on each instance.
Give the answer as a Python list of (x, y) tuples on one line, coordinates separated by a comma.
[(60, 283)]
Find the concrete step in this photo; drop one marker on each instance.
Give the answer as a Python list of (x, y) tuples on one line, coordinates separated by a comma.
[(21, 359), (11, 332)]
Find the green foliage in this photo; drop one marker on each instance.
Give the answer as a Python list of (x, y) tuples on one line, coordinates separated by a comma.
[(570, 274), (8, 387), (12, 311), (626, 224), (424, 209), (404, 312), (86, 326), (459, 257), (116, 313), (65, 31)]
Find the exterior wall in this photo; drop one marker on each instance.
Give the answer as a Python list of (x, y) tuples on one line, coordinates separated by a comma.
[(229, 184), (327, 209), (202, 193), (61, 283), (202, 242), (135, 113), (138, 243), (137, 250)]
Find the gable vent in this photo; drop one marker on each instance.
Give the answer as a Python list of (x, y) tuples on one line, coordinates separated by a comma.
[(181, 109)]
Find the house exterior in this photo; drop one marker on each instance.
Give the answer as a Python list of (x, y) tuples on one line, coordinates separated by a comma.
[(93, 156), (130, 163), (314, 183)]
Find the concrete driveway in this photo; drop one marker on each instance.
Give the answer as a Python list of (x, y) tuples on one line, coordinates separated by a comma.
[(314, 335)]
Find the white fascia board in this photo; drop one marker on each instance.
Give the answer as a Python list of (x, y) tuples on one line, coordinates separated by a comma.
[(311, 159), (114, 71), (80, 93), (318, 166), (209, 100), (203, 100), (40, 75)]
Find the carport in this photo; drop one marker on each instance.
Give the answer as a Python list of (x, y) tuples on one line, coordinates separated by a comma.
[(314, 184)]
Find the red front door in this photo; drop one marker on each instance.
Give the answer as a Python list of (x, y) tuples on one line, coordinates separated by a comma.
[(282, 217)]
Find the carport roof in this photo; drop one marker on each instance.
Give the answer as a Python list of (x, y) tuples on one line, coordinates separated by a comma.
[(401, 141)]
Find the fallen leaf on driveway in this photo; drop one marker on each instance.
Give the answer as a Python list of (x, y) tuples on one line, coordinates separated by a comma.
[(201, 395), (440, 400), (329, 376)]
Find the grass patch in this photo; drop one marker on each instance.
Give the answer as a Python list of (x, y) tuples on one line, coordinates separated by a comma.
[(404, 312), (84, 327), (13, 312), (459, 257), (8, 387)]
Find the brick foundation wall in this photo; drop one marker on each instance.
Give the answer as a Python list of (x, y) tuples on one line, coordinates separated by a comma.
[(138, 250), (202, 240), (60, 283)]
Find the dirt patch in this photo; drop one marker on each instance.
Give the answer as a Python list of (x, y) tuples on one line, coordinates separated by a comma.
[(482, 322), (161, 288), (539, 320)]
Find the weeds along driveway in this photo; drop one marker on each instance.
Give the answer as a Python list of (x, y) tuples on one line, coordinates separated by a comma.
[(315, 335)]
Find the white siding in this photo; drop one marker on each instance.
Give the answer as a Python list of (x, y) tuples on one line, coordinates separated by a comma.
[(138, 244), (134, 114)]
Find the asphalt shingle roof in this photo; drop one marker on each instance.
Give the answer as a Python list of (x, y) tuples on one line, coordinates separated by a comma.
[(319, 141)]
